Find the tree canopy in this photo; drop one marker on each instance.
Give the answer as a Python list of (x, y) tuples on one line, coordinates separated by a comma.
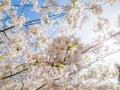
[(59, 44)]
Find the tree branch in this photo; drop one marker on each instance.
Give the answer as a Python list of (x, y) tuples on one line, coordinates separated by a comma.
[(35, 21), (22, 88), (111, 53), (5, 29), (17, 5), (21, 12), (14, 74), (91, 47), (41, 87)]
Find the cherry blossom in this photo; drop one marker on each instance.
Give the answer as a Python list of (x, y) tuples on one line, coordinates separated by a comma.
[(46, 52)]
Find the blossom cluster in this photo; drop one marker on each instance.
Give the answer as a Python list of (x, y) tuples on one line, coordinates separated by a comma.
[(65, 49)]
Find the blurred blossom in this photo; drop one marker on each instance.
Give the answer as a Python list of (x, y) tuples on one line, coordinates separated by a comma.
[(96, 9)]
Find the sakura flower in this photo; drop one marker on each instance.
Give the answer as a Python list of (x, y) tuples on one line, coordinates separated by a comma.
[(45, 20), (64, 49), (96, 9), (101, 24)]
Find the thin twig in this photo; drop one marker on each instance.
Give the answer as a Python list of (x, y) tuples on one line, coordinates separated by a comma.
[(6, 35), (22, 88), (21, 12), (41, 87), (65, 55)]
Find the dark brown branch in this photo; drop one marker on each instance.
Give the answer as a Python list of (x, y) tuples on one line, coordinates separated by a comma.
[(5, 29), (14, 74), (41, 87)]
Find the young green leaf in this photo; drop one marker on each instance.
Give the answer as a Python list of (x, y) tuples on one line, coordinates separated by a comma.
[(73, 47)]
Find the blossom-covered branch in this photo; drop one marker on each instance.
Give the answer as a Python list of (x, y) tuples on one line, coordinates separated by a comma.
[(14, 74)]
